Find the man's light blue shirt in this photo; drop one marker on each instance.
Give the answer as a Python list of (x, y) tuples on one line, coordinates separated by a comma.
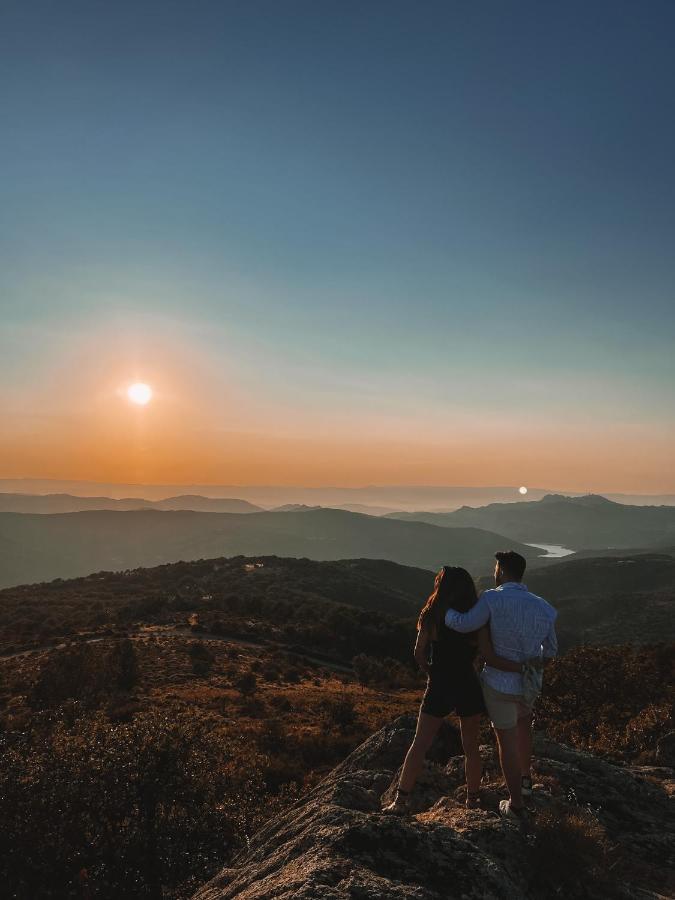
[(522, 627)]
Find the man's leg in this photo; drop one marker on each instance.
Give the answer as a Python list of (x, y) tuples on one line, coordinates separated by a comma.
[(503, 712), (525, 744), (509, 757)]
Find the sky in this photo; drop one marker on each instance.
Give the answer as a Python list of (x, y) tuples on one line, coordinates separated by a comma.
[(344, 242)]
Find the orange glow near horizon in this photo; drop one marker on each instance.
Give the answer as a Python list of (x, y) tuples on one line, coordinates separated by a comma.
[(190, 453), (221, 417)]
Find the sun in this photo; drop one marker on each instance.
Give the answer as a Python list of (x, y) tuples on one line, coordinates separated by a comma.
[(139, 393), (522, 490)]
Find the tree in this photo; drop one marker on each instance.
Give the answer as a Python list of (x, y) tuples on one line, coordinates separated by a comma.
[(247, 684), (201, 657), (123, 664)]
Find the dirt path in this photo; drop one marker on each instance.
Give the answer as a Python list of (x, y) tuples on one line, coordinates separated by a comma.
[(166, 631)]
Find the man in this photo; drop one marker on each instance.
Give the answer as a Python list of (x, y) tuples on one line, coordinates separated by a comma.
[(522, 627)]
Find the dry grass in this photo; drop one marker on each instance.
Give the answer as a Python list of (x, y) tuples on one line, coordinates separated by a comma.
[(569, 852)]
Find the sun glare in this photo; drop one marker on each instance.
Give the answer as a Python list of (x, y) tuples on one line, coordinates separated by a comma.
[(140, 393)]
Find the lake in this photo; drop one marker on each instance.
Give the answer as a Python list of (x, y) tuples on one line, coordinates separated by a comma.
[(553, 551)]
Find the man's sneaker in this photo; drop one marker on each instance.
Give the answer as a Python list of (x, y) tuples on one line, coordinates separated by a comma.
[(526, 786), (507, 811)]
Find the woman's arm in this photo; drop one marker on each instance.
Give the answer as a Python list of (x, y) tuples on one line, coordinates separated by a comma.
[(486, 650), (422, 649)]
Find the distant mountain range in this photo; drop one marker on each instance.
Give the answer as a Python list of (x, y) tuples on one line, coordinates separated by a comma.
[(66, 503), (376, 498), (56, 503), (588, 522), (39, 547)]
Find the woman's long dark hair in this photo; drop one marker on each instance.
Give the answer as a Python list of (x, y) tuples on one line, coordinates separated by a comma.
[(454, 588)]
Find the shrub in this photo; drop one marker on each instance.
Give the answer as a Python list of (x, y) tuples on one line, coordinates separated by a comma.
[(201, 657), (340, 713), (85, 672), (610, 700), (567, 852), (155, 801), (247, 684), (383, 673), (124, 665)]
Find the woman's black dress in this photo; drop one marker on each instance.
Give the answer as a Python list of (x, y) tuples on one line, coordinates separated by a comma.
[(453, 685)]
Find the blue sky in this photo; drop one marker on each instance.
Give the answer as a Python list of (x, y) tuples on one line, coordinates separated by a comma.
[(400, 211)]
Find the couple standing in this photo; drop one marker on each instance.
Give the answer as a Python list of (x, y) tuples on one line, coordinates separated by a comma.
[(514, 633)]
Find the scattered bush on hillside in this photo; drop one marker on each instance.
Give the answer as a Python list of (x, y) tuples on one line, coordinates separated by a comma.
[(270, 671), (156, 801), (201, 658), (384, 673), (123, 664), (568, 850), (614, 701), (340, 713), (247, 684), (297, 596), (81, 671)]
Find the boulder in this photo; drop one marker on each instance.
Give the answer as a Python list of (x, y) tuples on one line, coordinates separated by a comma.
[(665, 750), (595, 830)]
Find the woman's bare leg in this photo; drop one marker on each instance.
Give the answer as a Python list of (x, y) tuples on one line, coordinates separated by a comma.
[(427, 726), (473, 767)]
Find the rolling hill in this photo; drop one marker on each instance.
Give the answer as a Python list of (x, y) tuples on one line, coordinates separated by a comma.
[(605, 600), (41, 547), (574, 522), (342, 607)]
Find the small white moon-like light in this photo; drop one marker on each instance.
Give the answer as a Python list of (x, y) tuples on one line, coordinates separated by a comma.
[(140, 393), (522, 490)]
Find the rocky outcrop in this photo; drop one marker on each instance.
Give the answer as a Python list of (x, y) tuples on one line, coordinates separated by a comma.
[(665, 749), (596, 830)]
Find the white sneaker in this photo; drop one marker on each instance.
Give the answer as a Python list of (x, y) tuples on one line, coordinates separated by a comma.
[(506, 811)]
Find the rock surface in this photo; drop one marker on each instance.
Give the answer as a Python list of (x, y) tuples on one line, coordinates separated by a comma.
[(595, 830)]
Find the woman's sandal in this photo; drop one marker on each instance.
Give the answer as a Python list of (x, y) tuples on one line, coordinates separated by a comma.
[(472, 800), (400, 805)]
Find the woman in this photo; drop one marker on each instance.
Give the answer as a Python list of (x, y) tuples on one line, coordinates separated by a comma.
[(452, 685)]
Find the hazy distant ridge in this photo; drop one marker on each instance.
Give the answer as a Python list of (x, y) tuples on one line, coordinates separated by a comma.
[(38, 547), (384, 497), (583, 522), (63, 503)]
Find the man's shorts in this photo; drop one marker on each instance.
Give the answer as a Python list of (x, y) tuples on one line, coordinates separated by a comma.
[(504, 710)]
